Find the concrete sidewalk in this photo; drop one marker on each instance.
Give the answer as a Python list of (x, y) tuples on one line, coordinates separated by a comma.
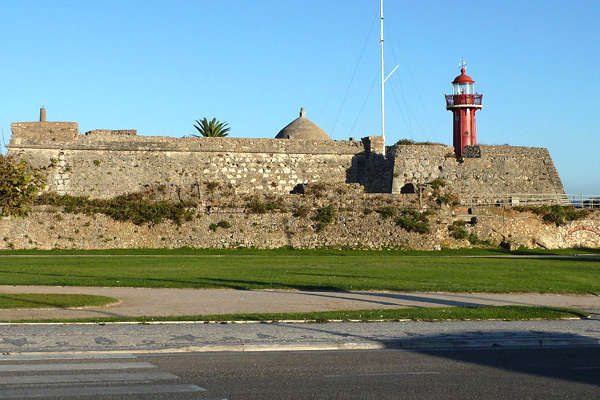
[(165, 302)]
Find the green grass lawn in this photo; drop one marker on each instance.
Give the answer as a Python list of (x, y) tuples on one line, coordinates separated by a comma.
[(447, 271), (32, 300)]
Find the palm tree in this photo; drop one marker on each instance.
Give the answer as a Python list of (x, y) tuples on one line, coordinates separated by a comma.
[(212, 128)]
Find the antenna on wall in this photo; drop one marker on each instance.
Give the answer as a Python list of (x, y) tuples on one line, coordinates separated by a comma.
[(383, 79)]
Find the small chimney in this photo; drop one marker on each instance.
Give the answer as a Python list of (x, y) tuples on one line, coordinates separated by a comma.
[(42, 114), (302, 113)]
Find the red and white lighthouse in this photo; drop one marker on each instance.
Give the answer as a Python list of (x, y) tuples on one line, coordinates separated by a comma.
[(463, 102)]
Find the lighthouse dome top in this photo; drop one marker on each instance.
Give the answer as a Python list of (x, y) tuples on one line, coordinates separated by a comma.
[(463, 77)]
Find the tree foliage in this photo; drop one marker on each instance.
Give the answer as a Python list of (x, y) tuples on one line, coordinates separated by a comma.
[(212, 128), (19, 183)]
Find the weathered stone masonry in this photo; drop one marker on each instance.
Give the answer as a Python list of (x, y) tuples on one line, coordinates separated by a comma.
[(486, 172), (105, 163)]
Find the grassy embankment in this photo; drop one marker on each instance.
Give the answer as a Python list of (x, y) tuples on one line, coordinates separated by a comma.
[(448, 271)]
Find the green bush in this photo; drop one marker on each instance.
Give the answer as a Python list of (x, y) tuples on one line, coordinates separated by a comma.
[(450, 199), (130, 207), (257, 207), (556, 214), (323, 217), (408, 142), (474, 240), (413, 221), (387, 212), (224, 224), (211, 186), (458, 230), (437, 184), (301, 212)]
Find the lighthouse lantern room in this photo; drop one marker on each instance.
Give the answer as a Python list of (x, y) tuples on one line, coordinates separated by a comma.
[(463, 102)]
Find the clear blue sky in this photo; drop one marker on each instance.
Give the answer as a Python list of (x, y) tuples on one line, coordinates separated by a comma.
[(156, 66)]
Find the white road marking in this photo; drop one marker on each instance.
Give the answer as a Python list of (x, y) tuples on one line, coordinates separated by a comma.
[(71, 367), (66, 356), (99, 391), (381, 374), (40, 379)]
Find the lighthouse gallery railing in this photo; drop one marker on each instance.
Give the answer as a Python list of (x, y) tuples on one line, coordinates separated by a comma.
[(463, 99)]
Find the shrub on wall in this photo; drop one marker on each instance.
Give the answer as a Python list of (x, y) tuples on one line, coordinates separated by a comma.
[(556, 214), (458, 231), (19, 184), (316, 189), (387, 212), (450, 199), (409, 142), (301, 212), (413, 221), (256, 206), (437, 184), (130, 207), (323, 217)]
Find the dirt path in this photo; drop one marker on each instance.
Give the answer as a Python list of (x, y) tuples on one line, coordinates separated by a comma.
[(164, 302)]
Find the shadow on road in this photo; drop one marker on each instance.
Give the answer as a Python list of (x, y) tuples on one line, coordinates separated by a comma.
[(527, 352)]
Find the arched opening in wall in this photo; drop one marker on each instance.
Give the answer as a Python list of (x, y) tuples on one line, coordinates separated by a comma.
[(408, 188)]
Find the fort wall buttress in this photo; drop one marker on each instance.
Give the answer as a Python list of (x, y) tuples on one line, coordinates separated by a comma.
[(494, 171)]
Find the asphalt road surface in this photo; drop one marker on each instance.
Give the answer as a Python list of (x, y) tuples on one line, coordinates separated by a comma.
[(532, 373)]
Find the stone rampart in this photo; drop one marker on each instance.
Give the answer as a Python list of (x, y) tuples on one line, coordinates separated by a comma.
[(106, 163), (495, 171), (350, 228)]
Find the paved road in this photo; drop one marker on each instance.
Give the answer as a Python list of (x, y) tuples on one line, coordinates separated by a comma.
[(164, 302), (545, 373)]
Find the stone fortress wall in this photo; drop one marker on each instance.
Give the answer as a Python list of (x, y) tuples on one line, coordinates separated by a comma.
[(487, 173), (107, 163), (104, 164)]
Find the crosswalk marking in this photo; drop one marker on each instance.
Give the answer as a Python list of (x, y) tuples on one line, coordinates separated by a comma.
[(39, 379), (69, 356), (76, 367), (98, 391), (20, 379)]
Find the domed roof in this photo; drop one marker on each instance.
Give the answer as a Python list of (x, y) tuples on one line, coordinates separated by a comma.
[(463, 77), (302, 128)]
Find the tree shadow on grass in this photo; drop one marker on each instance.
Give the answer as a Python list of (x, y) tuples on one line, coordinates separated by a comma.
[(29, 303), (401, 299)]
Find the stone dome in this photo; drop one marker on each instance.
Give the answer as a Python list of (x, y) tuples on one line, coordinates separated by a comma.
[(302, 128)]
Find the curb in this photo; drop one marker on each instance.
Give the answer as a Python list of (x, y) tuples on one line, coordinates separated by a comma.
[(376, 345), (346, 346)]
